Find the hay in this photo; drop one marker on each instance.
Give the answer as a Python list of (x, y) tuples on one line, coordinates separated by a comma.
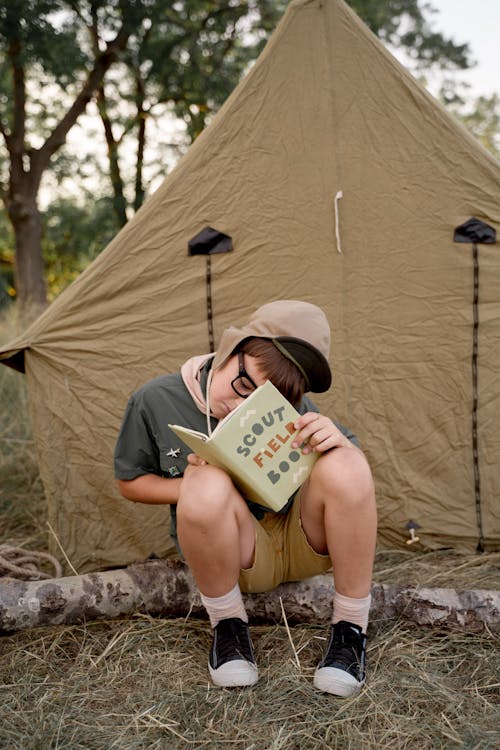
[(23, 509), (142, 683), (440, 569)]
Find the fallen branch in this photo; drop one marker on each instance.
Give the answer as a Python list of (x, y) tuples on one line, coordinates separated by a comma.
[(166, 588)]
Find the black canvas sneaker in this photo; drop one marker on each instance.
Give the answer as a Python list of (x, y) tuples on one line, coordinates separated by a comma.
[(342, 669), (231, 660)]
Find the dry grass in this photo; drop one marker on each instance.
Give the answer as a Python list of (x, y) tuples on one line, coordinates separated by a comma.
[(439, 569), (22, 504), (142, 682)]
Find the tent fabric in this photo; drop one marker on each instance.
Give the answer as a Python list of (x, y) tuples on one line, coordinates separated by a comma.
[(340, 182)]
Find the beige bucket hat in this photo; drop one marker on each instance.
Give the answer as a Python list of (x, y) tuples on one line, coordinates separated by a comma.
[(300, 331)]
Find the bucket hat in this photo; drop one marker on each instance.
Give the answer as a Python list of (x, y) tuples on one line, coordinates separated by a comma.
[(299, 330)]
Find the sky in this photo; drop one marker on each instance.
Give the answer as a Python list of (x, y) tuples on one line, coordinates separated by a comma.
[(476, 22)]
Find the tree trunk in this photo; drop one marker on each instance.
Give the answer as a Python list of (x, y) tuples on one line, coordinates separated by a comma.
[(166, 588), (29, 268), (24, 180), (119, 202), (141, 141)]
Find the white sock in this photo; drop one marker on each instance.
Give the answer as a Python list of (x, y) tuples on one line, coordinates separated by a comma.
[(222, 607), (351, 610)]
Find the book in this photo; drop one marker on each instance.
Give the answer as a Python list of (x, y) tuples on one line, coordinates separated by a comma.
[(253, 444)]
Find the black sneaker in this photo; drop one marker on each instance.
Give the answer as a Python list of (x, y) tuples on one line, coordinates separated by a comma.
[(342, 669), (231, 660)]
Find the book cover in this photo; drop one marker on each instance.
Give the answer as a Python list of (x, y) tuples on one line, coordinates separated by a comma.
[(254, 445)]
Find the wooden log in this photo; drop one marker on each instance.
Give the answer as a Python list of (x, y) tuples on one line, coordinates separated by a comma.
[(166, 588)]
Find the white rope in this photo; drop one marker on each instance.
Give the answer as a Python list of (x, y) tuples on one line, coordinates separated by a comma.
[(17, 562), (337, 229), (209, 383)]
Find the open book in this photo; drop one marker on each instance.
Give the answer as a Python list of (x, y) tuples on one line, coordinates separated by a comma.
[(254, 445)]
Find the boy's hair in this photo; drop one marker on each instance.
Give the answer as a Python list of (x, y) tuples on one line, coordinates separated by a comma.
[(282, 373)]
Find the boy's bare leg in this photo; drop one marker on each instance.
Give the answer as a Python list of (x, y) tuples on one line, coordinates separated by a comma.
[(215, 529), (217, 536), (339, 516)]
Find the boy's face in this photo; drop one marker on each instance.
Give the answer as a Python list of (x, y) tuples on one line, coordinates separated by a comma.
[(223, 398)]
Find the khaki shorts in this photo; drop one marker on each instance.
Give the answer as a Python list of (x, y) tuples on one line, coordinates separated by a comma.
[(282, 553)]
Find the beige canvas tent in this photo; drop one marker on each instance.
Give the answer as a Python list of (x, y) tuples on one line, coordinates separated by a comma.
[(340, 181)]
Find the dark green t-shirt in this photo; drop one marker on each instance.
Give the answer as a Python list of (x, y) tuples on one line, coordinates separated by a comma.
[(146, 444)]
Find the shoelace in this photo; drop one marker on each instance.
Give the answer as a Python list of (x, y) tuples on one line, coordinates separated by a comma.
[(232, 640), (345, 647)]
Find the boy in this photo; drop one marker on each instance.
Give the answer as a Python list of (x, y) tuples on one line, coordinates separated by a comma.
[(232, 545)]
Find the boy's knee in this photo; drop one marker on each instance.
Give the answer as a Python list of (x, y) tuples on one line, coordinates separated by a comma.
[(205, 494), (344, 474)]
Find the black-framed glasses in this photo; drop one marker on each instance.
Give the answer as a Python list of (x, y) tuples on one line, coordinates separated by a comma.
[(243, 385)]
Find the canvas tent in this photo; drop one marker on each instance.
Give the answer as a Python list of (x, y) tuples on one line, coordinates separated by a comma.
[(340, 181)]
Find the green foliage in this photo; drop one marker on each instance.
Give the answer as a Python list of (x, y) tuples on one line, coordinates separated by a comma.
[(199, 50), (182, 57), (36, 38), (40, 35), (404, 24), (48, 49), (481, 117), (73, 237), (48, 44), (7, 291)]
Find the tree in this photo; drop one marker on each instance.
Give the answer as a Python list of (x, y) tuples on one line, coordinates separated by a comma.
[(74, 234), (39, 48), (186, 58), (56, 53), (404, 24), (137, 59), (6, 260), (480, 116)]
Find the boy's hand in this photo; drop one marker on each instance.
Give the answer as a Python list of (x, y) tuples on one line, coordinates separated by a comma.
[(195, 460), (317, 433)]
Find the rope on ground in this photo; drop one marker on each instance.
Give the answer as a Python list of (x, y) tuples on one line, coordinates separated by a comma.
[(17, 562)]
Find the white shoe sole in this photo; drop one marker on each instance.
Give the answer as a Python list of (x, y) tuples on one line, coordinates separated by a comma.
[(336, 682), (236, 673)]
